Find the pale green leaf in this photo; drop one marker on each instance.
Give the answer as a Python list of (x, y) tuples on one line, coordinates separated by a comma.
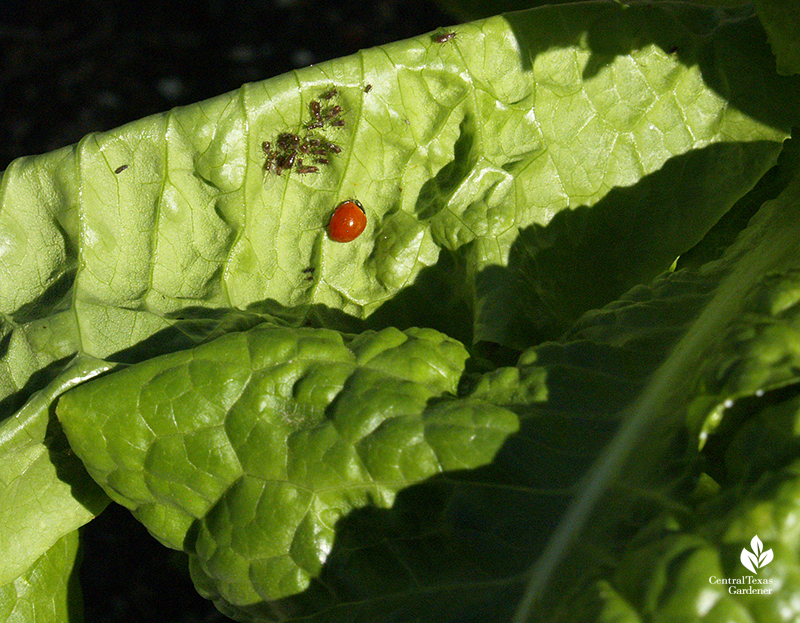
[(48, 590)]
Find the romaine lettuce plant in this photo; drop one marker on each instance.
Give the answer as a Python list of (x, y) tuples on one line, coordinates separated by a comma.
[(555, 378)]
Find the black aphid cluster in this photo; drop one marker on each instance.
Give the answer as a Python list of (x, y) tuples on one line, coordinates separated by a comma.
[(290, 150)]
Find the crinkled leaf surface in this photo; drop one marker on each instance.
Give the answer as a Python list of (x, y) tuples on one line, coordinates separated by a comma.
[(247, 451), (531, 168), (685, 349), (451, 155)]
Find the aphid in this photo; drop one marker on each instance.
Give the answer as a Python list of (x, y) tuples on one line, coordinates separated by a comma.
[(310, 269), (321, 160), (368, 88), (286, 160), (314, 125), (330, 94), (119, 170), (348, 221), (339, 123), (333, 147), (444, 37), (266, 147), (333, 111), (287, 141), (316, 110), (307, 168)]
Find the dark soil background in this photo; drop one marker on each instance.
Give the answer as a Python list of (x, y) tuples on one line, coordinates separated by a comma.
[(72, 67)]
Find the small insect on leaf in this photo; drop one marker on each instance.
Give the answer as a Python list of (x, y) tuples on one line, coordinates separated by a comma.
[(368, 88), (330, 94), (287, 141), (348, 221), (333, 111), (119, 170), (285, 161), (315, 110), (444, 37)]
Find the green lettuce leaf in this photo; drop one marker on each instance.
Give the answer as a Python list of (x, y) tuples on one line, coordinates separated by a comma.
[(46, 493), (448, 177), (781, 19), (687, 565), (477, 9), (516, 176), (48, 591), (205, 459), (246, 451), (736, 320)]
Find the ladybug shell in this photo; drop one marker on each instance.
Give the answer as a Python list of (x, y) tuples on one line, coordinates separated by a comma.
[(347, 222)]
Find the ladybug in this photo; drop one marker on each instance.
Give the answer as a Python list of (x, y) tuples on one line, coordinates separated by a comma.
[(348, 221)]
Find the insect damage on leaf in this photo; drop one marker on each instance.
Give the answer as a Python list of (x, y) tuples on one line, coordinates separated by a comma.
[(292, 151)]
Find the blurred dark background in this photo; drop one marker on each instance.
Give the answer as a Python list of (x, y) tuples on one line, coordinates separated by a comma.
[(71, 67)]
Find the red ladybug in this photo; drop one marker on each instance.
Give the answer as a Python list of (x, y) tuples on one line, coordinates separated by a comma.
[(348, 221)]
